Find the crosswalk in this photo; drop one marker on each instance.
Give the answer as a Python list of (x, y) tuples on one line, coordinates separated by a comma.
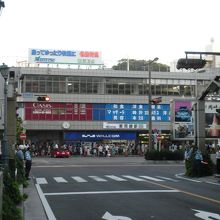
[(104, 178)]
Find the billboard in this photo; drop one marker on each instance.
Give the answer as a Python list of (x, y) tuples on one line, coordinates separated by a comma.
[(212, 119), (99, 135), (182, 120), (51, 56), (97, 112)]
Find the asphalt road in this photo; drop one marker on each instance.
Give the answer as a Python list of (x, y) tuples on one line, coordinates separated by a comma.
[(122, 189)]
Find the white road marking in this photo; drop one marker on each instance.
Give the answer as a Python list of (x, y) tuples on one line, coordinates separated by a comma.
[(180, 177), (60, 180), (152, 178), (41, 181), (46, 205), (109, 216), (133, 178), (98, 179), (218, 184), (167, 178), (205, 215), (79, 179), (116, 178), (110, 192)]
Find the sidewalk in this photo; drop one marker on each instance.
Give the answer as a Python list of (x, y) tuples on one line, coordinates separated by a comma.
[(33, 208)]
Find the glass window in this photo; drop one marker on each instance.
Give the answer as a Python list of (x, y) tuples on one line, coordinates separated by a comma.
[(42, 86), (83, 87)]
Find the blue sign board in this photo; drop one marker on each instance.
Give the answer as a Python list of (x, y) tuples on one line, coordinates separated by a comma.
[(136, 112), (94, 136)]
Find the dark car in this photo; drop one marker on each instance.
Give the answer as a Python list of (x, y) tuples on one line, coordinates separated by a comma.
[(60, 153), (183, 115)]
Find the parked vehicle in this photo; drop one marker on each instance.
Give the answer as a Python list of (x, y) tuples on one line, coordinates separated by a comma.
[(60, 153)]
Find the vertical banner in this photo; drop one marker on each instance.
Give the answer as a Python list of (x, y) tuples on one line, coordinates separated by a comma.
[(183, 127), (212, 118)]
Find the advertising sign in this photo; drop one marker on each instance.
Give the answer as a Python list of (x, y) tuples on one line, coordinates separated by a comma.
[(183, 127), (212, 119), (125, 125), (51, 56), (98, 112), (58, 111), (94, 136), (183, 111), (136, 112)]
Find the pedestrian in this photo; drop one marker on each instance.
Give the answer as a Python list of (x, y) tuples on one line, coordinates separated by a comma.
[(20, 153), (198, 159), (28, 162), (218, 160)]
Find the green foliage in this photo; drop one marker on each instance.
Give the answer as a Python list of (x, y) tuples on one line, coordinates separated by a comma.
[(19, 128), (11, 188), (20, 171), (164, 155), (9, 209), (140, 65), (206, 169), (12, 196)]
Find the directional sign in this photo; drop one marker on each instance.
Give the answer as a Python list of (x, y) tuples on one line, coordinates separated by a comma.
[(206, 215), (108, 216)]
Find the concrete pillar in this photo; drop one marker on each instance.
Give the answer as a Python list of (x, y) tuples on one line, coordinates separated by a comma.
[(11, 125), (201, 125)]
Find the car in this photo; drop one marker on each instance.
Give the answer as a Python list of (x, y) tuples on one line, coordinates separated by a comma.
[(183, 115), (60, 153)]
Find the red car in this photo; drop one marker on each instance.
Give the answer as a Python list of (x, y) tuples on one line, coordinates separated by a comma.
[(60, 153)]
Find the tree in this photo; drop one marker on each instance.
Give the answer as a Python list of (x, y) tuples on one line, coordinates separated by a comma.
[(20, 128), (140, 65)]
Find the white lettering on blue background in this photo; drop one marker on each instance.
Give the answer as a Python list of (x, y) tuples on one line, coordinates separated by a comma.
[(66, 53)]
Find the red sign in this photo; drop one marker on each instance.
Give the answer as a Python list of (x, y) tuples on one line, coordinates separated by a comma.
[(23, 136), (58, 111)]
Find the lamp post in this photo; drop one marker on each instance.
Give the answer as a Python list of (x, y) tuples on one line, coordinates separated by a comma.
[(149, 101), (4, 72)]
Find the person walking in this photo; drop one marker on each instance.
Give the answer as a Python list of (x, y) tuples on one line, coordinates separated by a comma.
[(28, 162), (218, 160)]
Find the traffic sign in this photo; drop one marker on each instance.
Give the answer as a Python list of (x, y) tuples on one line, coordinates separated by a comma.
[(23, 136)]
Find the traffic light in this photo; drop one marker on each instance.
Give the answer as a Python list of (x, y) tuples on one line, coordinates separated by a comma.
[(43, 98), (185, 63), (156, 100)]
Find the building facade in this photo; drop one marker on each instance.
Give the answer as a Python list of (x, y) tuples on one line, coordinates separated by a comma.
[(92, 107)]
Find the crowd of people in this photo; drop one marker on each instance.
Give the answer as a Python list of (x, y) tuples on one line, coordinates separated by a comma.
[(25, 152)]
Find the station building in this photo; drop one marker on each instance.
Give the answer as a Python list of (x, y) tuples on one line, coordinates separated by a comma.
[(87, 107)]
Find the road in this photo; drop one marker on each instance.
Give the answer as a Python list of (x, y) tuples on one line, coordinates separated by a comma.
[(122, 189)]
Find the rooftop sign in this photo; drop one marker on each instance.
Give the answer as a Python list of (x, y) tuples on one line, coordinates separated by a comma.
[(50, 56)]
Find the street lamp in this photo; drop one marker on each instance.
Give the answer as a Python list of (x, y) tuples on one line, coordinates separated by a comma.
[(4, 72), (150, 101)]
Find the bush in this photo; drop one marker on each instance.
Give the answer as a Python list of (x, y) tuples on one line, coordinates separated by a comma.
[(12, 197), (164, 155), (20, 171)]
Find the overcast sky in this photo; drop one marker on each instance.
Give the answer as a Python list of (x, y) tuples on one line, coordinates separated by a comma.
[(138, 29)]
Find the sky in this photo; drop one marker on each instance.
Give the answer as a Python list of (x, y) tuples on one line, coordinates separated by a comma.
[(134, 29)]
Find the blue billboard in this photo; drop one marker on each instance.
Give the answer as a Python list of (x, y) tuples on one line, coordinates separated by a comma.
[(94, 136), (135, 112)]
